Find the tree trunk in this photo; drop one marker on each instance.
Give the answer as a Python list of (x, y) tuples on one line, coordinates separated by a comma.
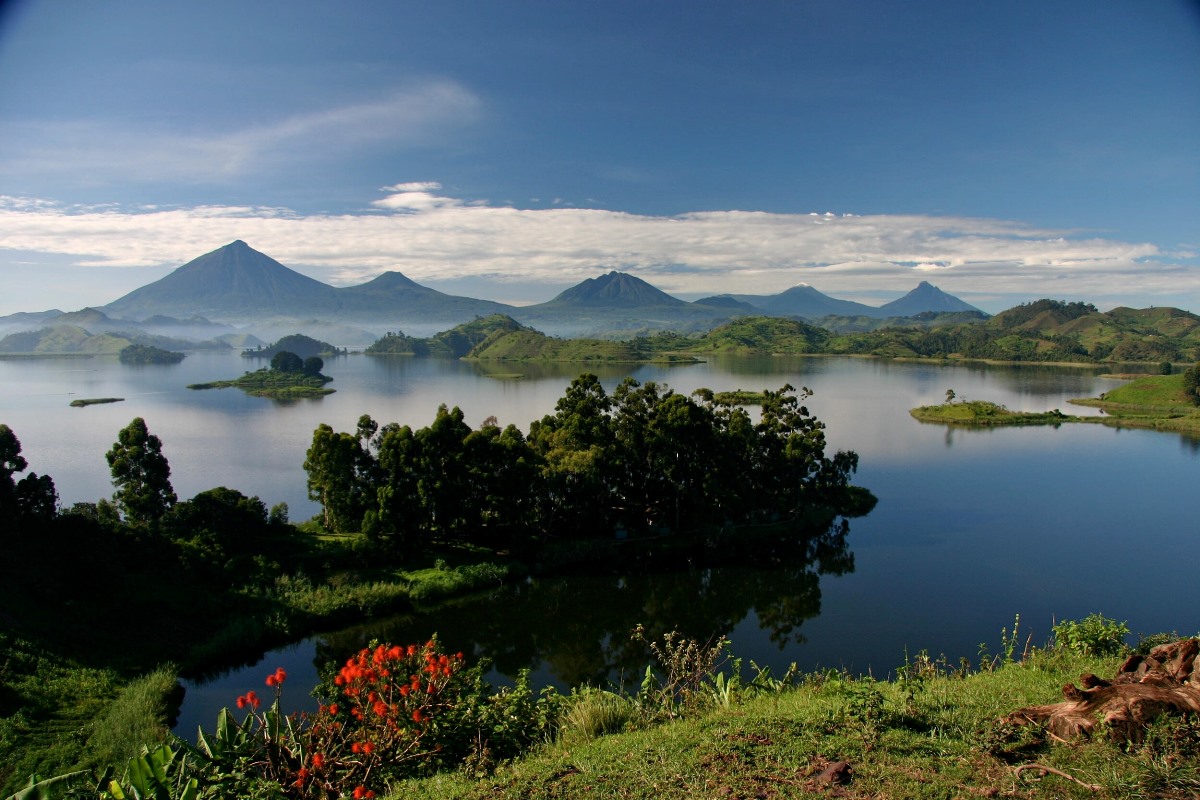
[(1167, 681)]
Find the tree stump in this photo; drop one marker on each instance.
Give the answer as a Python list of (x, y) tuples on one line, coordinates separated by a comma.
[(1167, 681)]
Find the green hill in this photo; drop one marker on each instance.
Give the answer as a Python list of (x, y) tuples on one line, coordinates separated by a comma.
[(501, 338), (762, 335)]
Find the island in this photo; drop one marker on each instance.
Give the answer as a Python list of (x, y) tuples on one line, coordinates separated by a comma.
[(288, 377), (92, 401), (1155, 402), (148, 354)]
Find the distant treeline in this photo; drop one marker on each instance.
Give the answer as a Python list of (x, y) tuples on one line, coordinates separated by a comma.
[(1042, 331)]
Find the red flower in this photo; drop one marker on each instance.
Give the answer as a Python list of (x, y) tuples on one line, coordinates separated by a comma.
[(241, 702), (318, 760), (368, 747), (271, 680), (252, 699), (333, 709), (361, 791)]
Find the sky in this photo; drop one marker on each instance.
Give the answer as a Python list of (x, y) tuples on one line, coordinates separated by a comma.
[(1004, 152)]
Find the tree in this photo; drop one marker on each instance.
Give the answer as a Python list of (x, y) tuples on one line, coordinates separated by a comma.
[(950, 395), (37, 499), (11, 463), (1191, 383), (342, 475), (141, 474), (286, 361), (313, 365)]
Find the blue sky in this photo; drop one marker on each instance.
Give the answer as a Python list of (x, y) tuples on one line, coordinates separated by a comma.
[(1002, 151)]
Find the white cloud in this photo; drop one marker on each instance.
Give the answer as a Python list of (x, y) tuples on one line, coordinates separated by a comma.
[(432, 237)]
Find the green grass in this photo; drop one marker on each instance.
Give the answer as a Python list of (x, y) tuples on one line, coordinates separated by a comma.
[(937, 736), (1157, 402)]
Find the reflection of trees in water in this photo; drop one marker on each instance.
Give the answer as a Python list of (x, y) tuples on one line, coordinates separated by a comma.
[(578, 627)]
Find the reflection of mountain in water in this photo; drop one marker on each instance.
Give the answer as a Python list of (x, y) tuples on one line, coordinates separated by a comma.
[(576, 629)]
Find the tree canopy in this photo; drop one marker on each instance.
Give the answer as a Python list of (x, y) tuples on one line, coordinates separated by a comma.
[(642, 461), (140, 473)]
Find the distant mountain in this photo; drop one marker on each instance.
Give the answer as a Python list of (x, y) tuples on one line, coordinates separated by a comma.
[(729, 303), (614, 290), (230, 282), (617, 305), (238, 283), (926, 297), (394, 297), (25, 320), (803, 300)]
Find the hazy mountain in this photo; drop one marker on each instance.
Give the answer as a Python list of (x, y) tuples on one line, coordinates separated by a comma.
[(614, 290), (617, 305), (229, 283), (926, 297), (237, 283), (25, 320), (394, 297), (729, 303), (803, 300)]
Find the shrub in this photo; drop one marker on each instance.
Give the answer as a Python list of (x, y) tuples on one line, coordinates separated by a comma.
[(1093, 635)]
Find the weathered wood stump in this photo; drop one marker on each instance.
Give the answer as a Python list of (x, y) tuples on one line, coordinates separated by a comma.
[(1167, 681)]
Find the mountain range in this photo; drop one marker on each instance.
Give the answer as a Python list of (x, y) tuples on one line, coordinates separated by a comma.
[(236, 285)]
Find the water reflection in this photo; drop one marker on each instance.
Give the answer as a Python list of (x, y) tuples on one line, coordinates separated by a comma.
[(575, 629)]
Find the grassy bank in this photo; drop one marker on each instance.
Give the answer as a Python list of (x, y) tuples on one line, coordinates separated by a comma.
[(929, 734), (1157, 402)]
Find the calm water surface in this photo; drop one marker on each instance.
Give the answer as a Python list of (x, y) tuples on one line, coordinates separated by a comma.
[(972, 527)]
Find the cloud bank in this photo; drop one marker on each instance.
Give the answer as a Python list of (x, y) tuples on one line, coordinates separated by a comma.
[(417, 229)]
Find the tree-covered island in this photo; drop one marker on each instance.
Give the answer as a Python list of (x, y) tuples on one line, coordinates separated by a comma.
[(288, 377), (148, 354)]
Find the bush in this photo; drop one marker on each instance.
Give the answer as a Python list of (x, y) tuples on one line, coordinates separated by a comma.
[(1094, 635)]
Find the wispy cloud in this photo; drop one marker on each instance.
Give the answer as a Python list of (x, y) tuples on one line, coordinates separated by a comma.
[(96, 151), (420, 231)]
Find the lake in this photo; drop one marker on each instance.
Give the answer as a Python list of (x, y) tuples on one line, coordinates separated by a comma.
[(972, 527)]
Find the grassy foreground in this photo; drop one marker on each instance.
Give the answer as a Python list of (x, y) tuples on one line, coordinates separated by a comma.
[(927, 735)]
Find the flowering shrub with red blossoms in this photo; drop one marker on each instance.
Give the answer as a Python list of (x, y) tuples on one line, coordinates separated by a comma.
[(389, 712)]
